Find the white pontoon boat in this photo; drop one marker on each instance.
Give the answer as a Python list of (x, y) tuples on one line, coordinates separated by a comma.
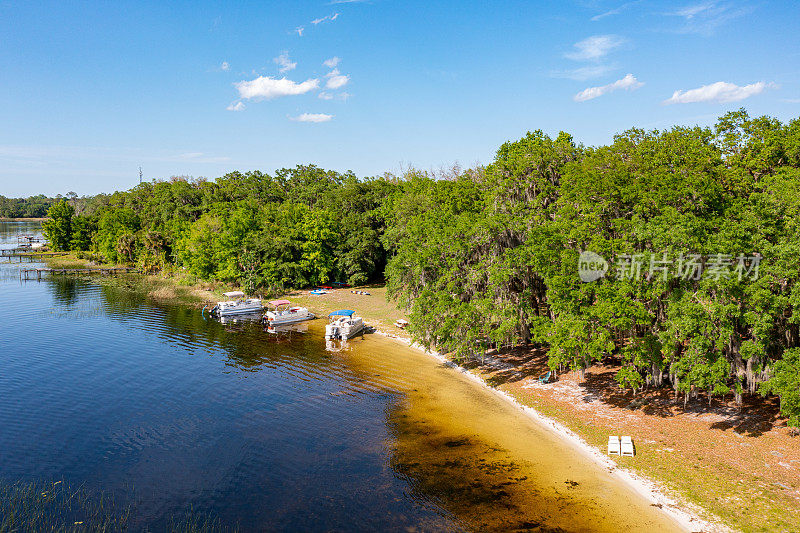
[(284, 312), (237, 305), (343, 324)]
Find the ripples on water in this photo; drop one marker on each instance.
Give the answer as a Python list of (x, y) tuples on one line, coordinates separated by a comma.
[(104, 389), (108, 391)]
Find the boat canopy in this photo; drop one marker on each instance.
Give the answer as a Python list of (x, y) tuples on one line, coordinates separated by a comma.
[(343, 312), (233, 294), (279, 302)]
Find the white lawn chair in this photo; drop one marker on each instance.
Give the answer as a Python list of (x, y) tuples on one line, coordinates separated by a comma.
[(613, 445), (627, 447)]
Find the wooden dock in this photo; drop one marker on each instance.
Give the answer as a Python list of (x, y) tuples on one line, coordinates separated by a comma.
[(29, 257), (37, 273)]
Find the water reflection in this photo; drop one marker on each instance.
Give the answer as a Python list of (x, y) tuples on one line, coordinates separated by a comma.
[(64, 289), (269, 429), (239, 319), (336, 345)]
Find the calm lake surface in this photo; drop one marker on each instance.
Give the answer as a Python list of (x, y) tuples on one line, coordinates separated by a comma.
[(168, 411)]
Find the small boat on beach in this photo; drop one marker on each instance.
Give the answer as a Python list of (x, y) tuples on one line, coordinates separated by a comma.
[(343, 324), (284, 312), (237, 305)]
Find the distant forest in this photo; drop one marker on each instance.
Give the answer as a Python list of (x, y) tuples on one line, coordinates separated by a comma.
[(32, 207), (696, 229)]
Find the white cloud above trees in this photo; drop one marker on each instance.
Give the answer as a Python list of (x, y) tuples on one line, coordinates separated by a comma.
[(628, 83), (721, 92)]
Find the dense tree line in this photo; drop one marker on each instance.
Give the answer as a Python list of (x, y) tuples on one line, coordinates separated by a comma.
[(699, 229), (32, 207), (301, 227)]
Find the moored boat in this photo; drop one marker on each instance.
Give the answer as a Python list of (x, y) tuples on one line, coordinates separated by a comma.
[(237, 305), (343, 324), (284, 312)]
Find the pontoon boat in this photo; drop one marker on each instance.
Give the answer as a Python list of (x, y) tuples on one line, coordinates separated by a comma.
[(284, 312), (237, 305), (343, 324)]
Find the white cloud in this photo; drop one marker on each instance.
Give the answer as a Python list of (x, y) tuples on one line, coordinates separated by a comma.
[(330, 18), (325, 95), (312, 117), (284, 63), (332, 62), (336, 80), (236, 106), (628, 83), (225, 66), (705, 17), (267, 88), (720, 92), (595, 48), (692, 11), (584, 73), (299, 30), (616, 11)]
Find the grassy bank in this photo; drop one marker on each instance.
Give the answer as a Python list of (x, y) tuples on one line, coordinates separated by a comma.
[(169, 286), (375, 308), (6, 219)]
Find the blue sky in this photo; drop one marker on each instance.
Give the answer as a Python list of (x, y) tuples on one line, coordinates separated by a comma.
[(91, 91)]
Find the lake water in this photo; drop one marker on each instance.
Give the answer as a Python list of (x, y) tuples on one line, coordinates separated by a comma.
[(170, 412)]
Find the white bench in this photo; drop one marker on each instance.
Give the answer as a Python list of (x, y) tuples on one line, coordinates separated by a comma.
[(626, 448), (613, 445)]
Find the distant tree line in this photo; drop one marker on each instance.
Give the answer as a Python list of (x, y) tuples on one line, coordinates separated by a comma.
[(700, 229), (37, 206), (32, 207)]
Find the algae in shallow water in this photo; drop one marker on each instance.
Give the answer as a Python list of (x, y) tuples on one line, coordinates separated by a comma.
[(485, 461)]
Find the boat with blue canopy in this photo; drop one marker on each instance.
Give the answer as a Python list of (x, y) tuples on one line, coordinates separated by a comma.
[(343, 324)]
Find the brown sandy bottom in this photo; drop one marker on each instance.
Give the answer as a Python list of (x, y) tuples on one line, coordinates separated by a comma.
[(741, 464), (484, 460)]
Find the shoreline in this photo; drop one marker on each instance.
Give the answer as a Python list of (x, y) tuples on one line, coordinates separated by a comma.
[(379, 312), (562, 434), (682, 513)]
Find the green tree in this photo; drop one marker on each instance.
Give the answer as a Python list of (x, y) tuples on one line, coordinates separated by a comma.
[(58, 228), (784, 382)]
